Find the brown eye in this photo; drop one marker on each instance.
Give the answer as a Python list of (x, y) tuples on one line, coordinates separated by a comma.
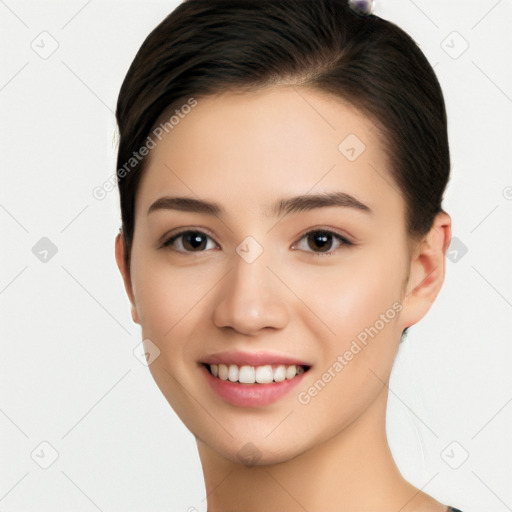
[(321, 242), (194, 241), (189, 241)]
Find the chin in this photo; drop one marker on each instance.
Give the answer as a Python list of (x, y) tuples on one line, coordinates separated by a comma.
[(252, 455), (257, 450)]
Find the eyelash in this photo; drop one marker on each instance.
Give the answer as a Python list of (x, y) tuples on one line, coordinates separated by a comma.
[(342, 240)]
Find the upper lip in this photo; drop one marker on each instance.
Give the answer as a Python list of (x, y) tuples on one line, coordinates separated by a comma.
[(259, 358)]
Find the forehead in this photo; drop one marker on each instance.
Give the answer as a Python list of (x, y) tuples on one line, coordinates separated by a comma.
[(254, 148)]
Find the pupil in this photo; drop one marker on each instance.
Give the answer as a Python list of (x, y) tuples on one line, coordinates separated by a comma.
[(194, 240), (322, 241)]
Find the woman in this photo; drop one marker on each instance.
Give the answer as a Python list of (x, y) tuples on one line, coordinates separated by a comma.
[(281, 170)]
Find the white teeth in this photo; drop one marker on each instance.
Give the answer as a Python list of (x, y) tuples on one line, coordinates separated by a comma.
[(280, 373), (247, 375), (291, 371), (264, 374), (251, 374), (233, 372), (223, 372)]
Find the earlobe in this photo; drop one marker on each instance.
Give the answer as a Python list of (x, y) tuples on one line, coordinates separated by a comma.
[(427, 271), (135, 315), (125, 273)]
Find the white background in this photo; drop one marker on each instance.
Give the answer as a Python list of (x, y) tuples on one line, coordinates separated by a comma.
[(68, 374)]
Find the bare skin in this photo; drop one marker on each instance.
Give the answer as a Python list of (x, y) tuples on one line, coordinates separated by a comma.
[(327, 452)]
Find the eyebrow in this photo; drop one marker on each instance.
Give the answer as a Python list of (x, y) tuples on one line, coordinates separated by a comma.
[(287, 205)]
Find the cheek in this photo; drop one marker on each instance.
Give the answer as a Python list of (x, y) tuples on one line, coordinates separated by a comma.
[(171, 301), (361, 305), (157, 293), (158, 286), (352, 295)]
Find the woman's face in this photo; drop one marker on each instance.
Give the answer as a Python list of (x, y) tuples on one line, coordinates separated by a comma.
[(267, 280)]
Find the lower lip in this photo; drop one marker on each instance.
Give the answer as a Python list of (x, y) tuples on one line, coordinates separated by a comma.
[(250, 395)]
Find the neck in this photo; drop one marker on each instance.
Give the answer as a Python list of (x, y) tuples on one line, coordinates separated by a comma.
[(352, 471)]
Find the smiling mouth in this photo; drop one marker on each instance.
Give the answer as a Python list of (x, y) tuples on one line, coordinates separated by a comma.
[(247, 374)]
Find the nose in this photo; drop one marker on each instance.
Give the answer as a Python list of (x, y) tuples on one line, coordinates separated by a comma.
[(251, 299)]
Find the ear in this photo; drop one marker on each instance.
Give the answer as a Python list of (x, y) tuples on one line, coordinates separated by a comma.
[(125, 273), (427, 271)]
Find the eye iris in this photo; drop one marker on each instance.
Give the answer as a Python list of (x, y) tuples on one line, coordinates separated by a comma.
[(194, 240), (322, 241)]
